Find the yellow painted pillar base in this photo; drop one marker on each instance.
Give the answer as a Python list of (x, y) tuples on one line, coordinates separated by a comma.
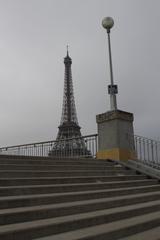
[(116, 154)]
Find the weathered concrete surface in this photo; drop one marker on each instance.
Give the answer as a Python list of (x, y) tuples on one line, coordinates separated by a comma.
[(115, 135)]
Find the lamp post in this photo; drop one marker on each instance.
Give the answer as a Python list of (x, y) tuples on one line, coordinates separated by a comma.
[(114, 125), (108, 23)]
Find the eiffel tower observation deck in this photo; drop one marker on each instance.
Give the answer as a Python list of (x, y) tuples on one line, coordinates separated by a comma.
[(69, 139)]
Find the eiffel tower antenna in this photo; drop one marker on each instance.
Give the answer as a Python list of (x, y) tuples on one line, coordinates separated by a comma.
[(67, 50)]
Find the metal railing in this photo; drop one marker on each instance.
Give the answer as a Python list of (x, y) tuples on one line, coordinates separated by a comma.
[(148, 151), (66, 148)]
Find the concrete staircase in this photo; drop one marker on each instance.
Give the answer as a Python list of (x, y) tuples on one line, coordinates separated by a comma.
[(75, 199)]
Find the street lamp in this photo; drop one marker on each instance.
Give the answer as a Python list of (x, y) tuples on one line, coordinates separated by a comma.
[(108, 23)]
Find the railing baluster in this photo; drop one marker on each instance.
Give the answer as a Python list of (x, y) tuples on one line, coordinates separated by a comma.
[(147, 151), (156, 154), (144, 150)]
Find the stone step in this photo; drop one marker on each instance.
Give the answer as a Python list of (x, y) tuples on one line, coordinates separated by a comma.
[(74, 199), (30, 173), (50, 198), (110, 231), (36, 167), (49, 160), (152, 234), (95, 225), (56, 162), (63, 180), (57, 188), (23, 214)]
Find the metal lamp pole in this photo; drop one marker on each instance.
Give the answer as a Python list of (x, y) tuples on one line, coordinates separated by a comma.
[(108, 23)]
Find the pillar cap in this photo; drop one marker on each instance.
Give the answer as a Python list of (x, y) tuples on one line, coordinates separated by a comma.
[(116, 114)]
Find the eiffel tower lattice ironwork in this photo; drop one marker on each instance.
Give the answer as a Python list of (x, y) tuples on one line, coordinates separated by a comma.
[(69, 140)]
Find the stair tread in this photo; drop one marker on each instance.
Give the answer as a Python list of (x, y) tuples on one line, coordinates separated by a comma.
[(70, 171), (49, 159), (77, 203), (57, 163), (75, 177), (84, 232), (53, 163), (152, 234), (157, 186), (99, 230), (80, 203), (80, 184)]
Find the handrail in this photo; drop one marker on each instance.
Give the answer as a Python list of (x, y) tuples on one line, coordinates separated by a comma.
[(151, 139), (44, 142)]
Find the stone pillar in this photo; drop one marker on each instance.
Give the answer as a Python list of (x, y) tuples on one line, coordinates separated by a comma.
[(115, 135)]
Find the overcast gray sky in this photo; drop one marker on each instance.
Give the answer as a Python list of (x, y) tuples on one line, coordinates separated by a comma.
[(33, 39)]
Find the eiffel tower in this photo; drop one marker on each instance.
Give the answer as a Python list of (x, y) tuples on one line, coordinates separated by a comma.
[(69, 127)]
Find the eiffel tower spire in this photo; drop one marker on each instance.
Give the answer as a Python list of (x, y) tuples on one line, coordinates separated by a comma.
[(69, 127), (69, 114)]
